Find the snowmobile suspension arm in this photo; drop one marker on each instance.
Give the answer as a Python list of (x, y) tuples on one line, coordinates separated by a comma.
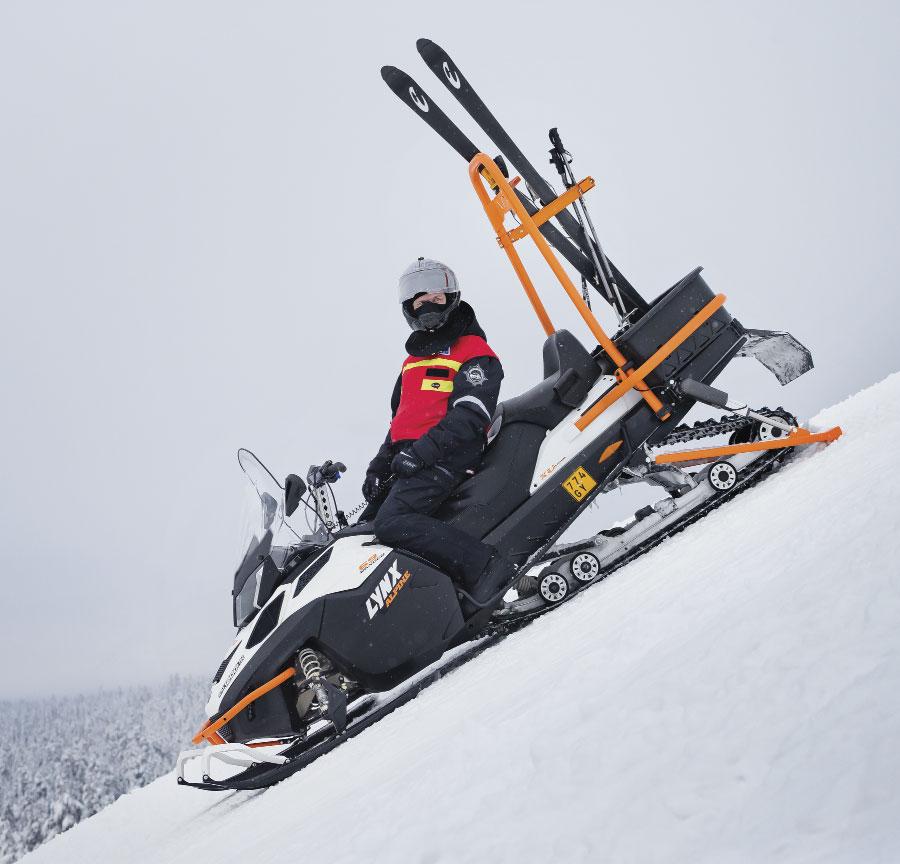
[(797, 438), (483, 168)]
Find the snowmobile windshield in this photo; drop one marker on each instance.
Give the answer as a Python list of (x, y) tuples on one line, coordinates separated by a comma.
[(263, 525)]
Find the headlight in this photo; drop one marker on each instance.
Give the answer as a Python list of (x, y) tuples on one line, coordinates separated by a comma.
[(246, 603)]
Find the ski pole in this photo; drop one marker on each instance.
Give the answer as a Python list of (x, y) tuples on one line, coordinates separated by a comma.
[(562, 159)]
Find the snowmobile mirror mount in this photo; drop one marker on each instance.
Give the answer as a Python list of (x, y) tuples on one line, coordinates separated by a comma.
[(294, 490)]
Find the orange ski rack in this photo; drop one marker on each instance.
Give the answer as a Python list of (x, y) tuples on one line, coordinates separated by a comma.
[(794, 439), (487, 178), (210, 732), (482, 168)]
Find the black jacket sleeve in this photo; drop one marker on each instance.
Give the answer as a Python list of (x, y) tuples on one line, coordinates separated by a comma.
[(381, 464), (458, 440)]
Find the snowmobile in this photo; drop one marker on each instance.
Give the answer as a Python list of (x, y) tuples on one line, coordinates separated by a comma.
[(335, 629)]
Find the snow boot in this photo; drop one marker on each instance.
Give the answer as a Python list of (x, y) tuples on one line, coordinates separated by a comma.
[(497, 575)]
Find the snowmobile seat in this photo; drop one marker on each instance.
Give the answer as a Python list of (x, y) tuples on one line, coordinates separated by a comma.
[(503, 480), (569, 373)]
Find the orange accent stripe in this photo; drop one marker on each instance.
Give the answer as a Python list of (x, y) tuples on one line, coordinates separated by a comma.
[(212, 728), (795, 439), (609, 451), (434, 361), (635, 378)]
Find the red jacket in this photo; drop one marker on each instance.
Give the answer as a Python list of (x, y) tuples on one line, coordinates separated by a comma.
[(444, 397), (428, 383)]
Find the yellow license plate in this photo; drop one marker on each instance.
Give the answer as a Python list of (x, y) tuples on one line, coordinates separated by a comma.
[(579, 483)]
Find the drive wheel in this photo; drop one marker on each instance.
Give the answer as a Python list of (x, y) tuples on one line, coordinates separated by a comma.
[(554, 588), (585, 567), (763, 431), (722, 476)]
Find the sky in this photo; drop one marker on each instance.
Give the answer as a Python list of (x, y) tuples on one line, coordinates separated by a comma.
[(205, 206)]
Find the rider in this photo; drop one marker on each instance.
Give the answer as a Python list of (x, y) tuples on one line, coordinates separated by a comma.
[(442, 405)]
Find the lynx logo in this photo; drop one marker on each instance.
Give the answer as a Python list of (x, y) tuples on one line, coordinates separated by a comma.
[(418, 101), (452, 77), (387, 590)]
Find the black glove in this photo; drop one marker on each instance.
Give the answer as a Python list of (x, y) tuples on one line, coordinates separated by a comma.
[(372, 487), (406, 463)]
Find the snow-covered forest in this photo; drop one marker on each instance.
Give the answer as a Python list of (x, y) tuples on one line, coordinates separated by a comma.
[(63, 759)]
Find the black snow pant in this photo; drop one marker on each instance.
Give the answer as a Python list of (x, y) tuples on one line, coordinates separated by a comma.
[(404, 519)]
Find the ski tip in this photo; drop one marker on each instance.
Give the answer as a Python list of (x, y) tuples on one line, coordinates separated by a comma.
[(388, 72), (426, 47)]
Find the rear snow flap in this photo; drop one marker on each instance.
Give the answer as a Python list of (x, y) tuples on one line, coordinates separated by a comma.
[(783, 355)]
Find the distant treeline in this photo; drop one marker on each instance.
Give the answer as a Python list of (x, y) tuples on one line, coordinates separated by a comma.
[(62, 760)]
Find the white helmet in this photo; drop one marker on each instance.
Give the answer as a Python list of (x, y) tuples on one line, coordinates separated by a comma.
[(425, 276)]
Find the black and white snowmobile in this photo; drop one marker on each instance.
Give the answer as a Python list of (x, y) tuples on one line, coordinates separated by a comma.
[(336, 629)]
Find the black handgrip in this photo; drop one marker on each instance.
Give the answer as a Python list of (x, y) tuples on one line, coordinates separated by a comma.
[(558, 154), (703, 393), (331, 471)]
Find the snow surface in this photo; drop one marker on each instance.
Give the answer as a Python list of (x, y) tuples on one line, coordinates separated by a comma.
[(732, 696)]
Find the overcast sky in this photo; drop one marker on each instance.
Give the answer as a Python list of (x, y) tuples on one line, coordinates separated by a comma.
[(204, 207)]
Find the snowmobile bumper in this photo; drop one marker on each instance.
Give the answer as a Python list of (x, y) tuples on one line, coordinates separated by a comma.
[(239, 755), (210, 731)]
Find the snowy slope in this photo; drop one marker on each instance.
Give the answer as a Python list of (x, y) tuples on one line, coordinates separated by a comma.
[(732, 696)]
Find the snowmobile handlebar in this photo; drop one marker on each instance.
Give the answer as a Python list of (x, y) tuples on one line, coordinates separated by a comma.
[(327, 472)]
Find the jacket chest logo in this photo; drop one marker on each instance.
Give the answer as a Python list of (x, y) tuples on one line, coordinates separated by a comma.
[(437, 385)]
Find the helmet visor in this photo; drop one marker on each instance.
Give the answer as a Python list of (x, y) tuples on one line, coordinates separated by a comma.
[(424, 282)]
